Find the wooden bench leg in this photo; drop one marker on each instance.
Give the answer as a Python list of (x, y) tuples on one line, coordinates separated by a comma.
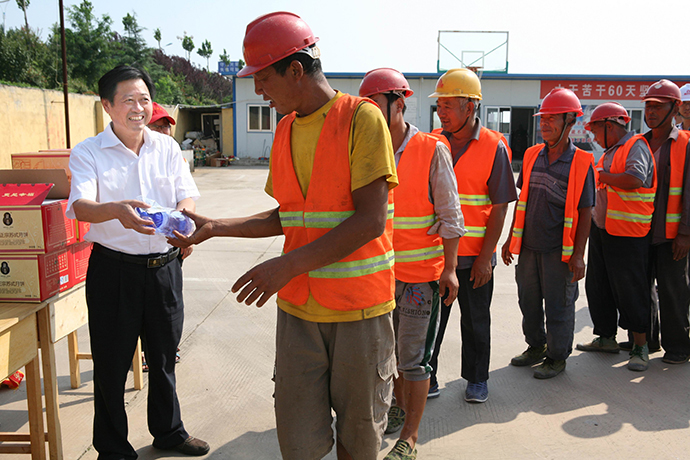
[(50, 385), (35, 402), (136, 368), (74, 370)]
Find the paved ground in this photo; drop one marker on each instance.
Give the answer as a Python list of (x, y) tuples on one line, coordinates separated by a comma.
[(597, 408)]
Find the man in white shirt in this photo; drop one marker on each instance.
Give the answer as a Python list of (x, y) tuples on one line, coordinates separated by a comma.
[(134, 281)]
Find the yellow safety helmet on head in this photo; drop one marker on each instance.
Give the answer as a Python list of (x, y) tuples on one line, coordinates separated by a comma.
[(458, 83)]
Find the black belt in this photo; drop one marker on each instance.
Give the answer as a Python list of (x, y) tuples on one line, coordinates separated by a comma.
[(150, 260)]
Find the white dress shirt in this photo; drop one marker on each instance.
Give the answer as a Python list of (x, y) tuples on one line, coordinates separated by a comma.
[(104, 170)]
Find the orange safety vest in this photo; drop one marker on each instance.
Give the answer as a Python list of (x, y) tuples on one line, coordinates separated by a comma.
[(576, 180), (628, 212), (364, 278), (675, 190), (419, 257), (472, 171)]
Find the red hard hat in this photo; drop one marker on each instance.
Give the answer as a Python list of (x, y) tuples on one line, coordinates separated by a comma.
[(272, 37), (560, 100), (384, 80), (662, 91), (160, 112), (612, 111)]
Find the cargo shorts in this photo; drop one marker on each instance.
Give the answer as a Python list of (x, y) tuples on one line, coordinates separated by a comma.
[(346, 367), (416, 320)]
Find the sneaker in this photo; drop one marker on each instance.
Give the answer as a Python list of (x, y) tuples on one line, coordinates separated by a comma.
[(605, 344), (396, 419), (477, 392), (549, 368), (401, 451), (434, 392), (639, 358), (191, 446), (628, 346), (532, 355), (675, 358)]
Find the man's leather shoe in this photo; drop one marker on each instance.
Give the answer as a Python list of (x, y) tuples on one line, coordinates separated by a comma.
[(192, 446)]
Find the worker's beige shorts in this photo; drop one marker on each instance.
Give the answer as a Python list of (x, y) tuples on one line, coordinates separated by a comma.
[(347, 367)]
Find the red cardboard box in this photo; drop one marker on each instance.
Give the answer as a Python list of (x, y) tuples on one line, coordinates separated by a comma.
[(32, 220), (43, 159), (33, 278), (79, 261), (82, 229)]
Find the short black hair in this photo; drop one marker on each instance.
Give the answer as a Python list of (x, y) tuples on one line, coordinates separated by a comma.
[(311, 66), (108, 82)]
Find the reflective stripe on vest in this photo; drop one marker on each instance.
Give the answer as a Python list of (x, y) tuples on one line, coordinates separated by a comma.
[(629, 212), (355, 268), (364, 278), (419, 257), (576, 179)]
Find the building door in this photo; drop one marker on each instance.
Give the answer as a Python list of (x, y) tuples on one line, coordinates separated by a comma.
[(521, 131)]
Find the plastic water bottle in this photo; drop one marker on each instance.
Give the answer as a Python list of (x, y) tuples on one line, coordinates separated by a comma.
[(166, 221)]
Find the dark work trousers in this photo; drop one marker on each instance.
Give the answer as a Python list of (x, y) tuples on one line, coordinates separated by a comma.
[(475, 329), (545, 287), (618, 282), (126, 300), (674, 298)]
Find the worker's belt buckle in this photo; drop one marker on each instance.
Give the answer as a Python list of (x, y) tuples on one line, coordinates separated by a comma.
[(156, 262)]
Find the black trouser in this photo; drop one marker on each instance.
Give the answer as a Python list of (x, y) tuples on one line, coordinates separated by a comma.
[(618, 282), (126, 300), (674, 298), (475, 328)]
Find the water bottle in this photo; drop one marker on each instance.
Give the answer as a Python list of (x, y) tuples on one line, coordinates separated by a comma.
[(165, 221)]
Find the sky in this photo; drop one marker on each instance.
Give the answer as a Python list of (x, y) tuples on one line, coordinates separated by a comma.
[(581, 37)]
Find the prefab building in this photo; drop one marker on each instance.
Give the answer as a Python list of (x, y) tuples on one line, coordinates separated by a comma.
[(508, 105)]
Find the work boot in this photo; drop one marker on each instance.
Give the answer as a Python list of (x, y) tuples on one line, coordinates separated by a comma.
[(530, 356), (604, 344), (549, 368), (639, 358)]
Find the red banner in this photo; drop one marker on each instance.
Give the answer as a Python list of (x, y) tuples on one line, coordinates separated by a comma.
[(600, 89)]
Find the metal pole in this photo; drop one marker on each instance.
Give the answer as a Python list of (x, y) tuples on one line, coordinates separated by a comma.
[(64, 73)]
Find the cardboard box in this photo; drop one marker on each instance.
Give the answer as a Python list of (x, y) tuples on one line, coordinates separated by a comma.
[(211, 157), (79, 261), (82, 229), (32, 222), (34, 278), (43, 159), (217, 162)]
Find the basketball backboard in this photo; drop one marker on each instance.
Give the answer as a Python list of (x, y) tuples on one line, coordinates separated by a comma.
[(480, 51)]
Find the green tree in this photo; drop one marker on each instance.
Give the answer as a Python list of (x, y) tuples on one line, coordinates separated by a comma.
[(89, 44), (241, 64), (157, 36), (187, 44), (206, 51), (224, 57), (133, 46), (23, 5)]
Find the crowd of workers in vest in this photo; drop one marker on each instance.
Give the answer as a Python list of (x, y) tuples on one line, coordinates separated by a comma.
[(385, 228)]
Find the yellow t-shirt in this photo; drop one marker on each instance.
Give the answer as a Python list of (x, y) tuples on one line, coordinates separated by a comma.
[(371, 157)]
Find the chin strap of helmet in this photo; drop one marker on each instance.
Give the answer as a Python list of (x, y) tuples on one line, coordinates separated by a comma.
[(565, 125), (668, 114)]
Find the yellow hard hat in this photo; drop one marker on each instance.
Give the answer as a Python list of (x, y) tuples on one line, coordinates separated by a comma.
[(458, 83)]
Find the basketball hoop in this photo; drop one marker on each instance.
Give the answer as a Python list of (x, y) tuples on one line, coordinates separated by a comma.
[(477, 70)]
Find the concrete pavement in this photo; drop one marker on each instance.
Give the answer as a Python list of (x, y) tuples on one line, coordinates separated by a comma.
[(596, 408)]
